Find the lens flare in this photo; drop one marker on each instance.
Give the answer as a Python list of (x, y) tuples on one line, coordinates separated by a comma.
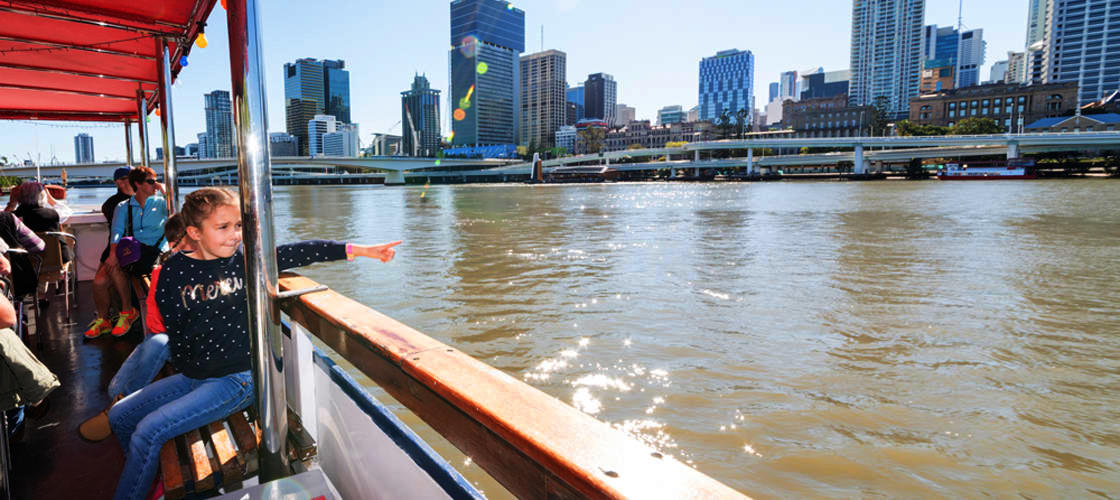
[(468, 46), (459, 114), (509, 6), (483, 68)]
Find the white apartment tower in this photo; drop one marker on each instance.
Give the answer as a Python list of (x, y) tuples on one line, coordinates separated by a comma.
[(886, 52)]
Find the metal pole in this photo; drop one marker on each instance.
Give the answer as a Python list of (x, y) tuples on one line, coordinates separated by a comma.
[(167, 126), (128, 142), (142, 124), (255, 171)]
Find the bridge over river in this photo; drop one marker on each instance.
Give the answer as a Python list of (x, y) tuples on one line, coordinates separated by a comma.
[(694, 156)]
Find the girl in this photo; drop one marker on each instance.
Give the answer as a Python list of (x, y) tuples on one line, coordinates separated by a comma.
[(201, 296)]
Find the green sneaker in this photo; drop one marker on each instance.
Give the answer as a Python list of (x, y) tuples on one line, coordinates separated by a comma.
[(124, 322), (98, 327)]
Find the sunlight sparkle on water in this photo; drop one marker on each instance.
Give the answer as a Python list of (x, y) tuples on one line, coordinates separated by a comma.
[(585, 402)]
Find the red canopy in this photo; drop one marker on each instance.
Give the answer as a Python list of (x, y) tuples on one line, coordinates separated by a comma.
[(86, 59)]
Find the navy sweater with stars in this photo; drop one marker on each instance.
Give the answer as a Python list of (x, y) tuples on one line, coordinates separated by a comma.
[(205, 307)]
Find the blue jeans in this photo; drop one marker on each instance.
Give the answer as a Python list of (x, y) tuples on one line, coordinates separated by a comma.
[(145, 419), (141, 366)]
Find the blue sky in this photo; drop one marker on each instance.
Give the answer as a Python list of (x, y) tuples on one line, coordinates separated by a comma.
[(652, 48)]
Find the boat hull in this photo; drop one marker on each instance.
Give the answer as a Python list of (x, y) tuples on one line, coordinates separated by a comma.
[(985, 177)]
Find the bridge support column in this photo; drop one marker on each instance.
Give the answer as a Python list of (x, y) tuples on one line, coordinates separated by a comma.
[(750, 161), (394, 178), (1012, 150), (858, 167), (672, 172), (696, 171), (696, 155)]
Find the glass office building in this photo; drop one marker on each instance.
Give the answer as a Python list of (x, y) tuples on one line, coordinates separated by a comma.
[(726, 84), (219, 124), (313, 87), (420, 116), (487, 38), (336, 85)]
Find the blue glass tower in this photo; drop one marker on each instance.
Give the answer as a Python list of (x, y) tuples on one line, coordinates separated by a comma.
[(575, 96), (336, 85), (420, 119), (487, 38), (726, 84)]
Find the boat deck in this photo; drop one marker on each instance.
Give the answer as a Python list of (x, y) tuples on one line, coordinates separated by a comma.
[(49, 459)]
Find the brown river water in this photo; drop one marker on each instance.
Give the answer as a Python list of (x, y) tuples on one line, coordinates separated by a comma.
[(794, 339)]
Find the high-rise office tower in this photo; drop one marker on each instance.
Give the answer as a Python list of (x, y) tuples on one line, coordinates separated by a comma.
[(671, 114), (998, 73), (343, 141), (544, 76), (487, 38), (219, 124), (824, 83), (83, 148), (336, 89), (787, 86), (203, 145), (600, 94), (726, 83), (886, 53), (316, 128), (320, 87), (303, 97), (775, 87), (624, 114), (1079, 44), (1016, 67), (1036, 21), (282, 144), (970, 57), (963, 51), (420, 118), (575, 96)]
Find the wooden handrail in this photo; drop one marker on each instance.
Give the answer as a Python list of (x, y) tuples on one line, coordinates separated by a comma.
[(533, 444)]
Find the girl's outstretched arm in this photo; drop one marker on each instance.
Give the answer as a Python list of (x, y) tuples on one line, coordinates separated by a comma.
[(309, 252)]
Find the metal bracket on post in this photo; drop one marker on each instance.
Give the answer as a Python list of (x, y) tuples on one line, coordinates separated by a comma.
[(291, 294)]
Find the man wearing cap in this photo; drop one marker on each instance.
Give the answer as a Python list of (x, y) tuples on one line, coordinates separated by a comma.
[(102, 282)]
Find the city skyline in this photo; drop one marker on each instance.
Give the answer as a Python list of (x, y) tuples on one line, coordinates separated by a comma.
[(417, 41)]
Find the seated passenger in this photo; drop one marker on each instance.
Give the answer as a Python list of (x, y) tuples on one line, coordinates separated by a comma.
[(139, 221), (36, 213), (15, 234), (24, 380), (103, 284), (202, 298)]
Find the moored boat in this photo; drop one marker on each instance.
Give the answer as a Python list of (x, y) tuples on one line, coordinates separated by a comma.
[(988, 171)]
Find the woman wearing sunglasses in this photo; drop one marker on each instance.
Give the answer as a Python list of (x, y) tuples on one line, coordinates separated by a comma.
[(136, 242)]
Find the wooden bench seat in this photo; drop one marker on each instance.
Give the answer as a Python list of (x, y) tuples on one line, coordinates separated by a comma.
[(223, 454)]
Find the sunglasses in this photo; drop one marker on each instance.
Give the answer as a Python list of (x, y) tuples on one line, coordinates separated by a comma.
[(150, 181)]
